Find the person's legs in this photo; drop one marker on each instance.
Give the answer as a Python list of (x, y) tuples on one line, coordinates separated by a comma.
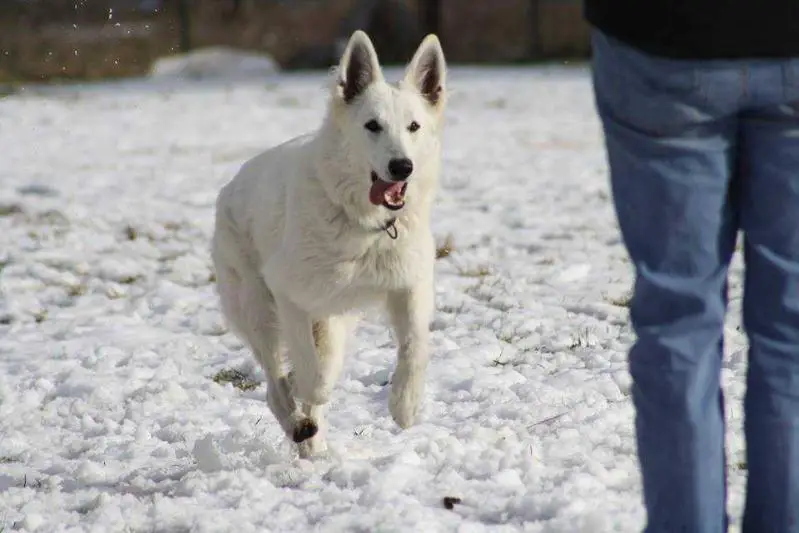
[(770, 220), (671, 131)]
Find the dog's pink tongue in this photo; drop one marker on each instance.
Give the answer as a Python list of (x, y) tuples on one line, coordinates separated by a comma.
[(380, 189)]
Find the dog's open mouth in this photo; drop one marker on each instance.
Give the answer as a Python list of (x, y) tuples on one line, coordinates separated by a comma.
[(390, 195)]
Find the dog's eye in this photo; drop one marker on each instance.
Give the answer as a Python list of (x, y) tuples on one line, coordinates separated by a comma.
[(413, 126), (373, 126)]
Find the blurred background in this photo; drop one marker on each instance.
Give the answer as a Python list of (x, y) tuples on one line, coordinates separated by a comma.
[(80, 40)]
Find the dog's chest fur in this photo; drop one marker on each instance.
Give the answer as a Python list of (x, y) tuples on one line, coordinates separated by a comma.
[(351, 273)]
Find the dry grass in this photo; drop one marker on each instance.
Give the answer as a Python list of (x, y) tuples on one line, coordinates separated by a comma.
[(479, 271), (131, 233), (237, 378), (77, 290), (582, 339), (446, 248), (621, 301), (7, 210)]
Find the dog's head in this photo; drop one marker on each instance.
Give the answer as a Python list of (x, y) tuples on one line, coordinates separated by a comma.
[(392, 132)]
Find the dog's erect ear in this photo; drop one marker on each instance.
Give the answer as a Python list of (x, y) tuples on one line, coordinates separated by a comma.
[(359, 66), (427, 71)]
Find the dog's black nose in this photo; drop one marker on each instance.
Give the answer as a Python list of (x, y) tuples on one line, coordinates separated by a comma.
[(400, 169)]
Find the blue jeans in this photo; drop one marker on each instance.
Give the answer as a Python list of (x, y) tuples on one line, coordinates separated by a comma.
[(699, 150)]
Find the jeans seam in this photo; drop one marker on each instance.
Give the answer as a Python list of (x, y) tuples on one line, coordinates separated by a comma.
[(745, 81)]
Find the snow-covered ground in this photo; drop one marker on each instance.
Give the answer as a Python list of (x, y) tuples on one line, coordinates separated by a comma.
[(213, 63), (110, 334)]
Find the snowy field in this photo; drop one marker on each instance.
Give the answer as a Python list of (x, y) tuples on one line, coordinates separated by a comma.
[(126, 406)]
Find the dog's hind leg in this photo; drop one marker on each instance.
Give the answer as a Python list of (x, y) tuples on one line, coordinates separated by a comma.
[(261, 328), (250, 308)]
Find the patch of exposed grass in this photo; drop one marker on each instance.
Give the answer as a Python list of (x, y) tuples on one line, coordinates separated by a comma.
[(77, 290), (486, 287), (446, 248), (131, 233), (52, 217), (452, 310), (511, 335), (236, 378), (500, 362), (35, 484), (621, 301), (480, 271), (506, 334), (581, 340), (7, 210)]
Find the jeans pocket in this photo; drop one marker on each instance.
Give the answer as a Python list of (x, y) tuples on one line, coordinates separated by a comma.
[(654, 95), (792, 83)]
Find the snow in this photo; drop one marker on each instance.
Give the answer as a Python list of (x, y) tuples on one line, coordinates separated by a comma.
[(110, 332), (215, 62)]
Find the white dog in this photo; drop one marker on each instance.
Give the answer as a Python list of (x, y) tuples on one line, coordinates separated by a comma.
[(312, 231)]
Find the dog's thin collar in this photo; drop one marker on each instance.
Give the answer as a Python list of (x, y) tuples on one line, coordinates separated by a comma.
[(390, 227)]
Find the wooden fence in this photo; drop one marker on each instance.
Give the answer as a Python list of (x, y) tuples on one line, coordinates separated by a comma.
[(92, 39)]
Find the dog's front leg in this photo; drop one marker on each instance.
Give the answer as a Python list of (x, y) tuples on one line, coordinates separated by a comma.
[(297, 328), (410, 312)]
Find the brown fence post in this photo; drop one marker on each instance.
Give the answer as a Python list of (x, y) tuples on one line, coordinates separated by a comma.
[(431, 15), (184, 16), (535, 28)]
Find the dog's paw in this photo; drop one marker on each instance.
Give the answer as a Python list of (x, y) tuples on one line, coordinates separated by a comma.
[(304, 430), (313, 447), (404, 403)]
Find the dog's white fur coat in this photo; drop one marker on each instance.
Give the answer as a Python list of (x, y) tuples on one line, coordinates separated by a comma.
[(299, 249)]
